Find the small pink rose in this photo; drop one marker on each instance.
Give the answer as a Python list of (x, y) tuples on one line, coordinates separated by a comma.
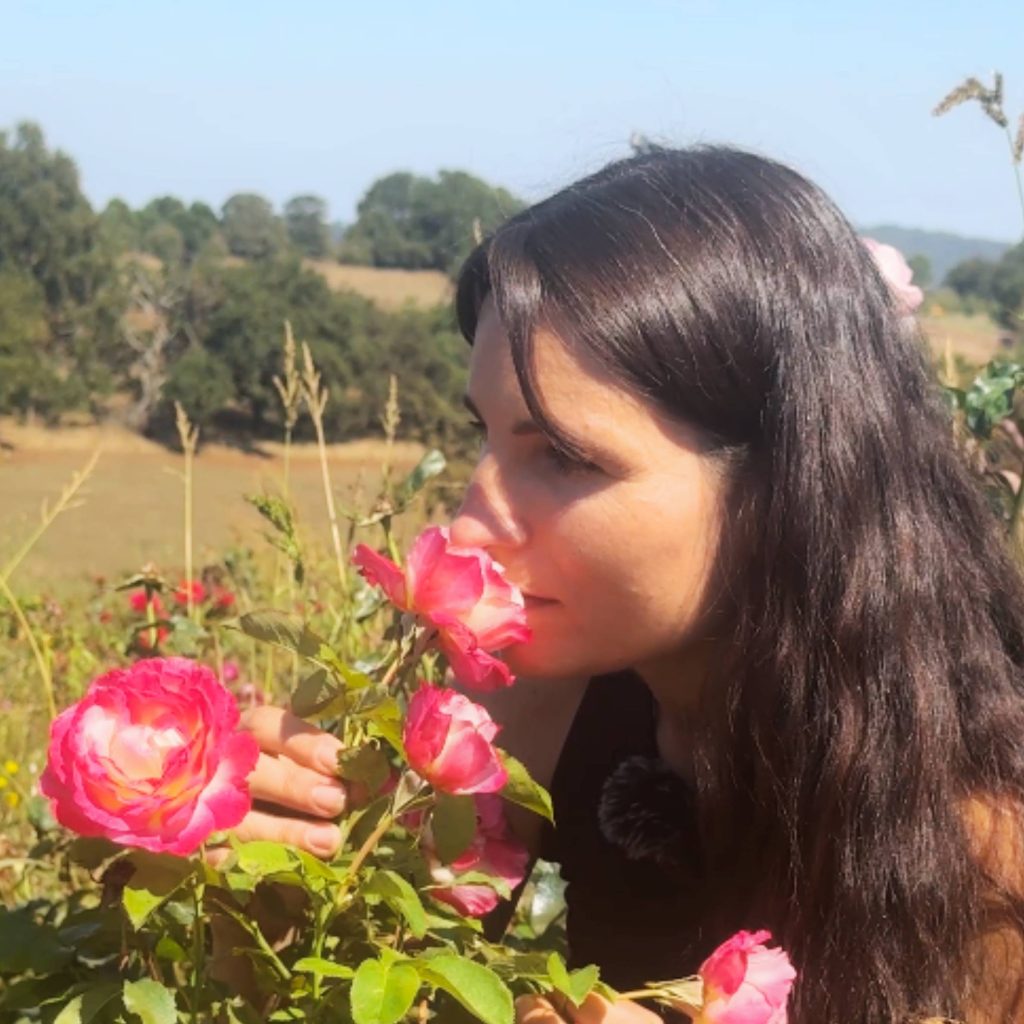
[(460, 592), (447, 740), (493, 851), (897, 274), (151, 757), (745, 982)]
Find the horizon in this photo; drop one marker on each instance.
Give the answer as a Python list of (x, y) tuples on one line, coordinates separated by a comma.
[(201, 102)]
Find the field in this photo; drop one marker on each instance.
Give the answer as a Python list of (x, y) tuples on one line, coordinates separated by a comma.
[(131, 509), (389, 289)]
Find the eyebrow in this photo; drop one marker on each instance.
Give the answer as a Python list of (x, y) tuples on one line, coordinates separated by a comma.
[(520, 429)]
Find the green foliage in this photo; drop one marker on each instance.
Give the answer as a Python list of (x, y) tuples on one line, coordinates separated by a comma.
[(201, 383), (28, 381), (251, 228), (409, 221), (305, 219)]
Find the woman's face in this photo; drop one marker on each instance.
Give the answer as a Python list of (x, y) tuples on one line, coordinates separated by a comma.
[(614, 555)]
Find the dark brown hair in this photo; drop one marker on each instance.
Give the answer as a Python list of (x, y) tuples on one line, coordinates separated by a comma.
[(876, 682)]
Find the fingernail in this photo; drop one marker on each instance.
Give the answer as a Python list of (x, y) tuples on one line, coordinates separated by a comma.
[(327, 755), (328, 799), (323, 838)]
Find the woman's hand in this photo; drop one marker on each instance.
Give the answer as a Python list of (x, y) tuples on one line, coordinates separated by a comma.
[(594, 1010), (295, 780)]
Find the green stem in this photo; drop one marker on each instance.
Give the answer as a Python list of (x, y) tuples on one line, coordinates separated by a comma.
[(198, 943)]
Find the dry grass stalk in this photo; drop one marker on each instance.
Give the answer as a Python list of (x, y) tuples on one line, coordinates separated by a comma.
[(189, 436), (316, 401), (991, 102), (64, 502), (289, 387)]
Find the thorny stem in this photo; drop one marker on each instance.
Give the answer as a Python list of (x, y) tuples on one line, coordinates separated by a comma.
[(419, 648)]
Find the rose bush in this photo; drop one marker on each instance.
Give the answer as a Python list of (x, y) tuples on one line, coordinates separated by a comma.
[(461, 593), (493, 851), (150, 757)]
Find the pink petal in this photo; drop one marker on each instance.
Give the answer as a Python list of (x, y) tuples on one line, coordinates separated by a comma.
[(381, 572)]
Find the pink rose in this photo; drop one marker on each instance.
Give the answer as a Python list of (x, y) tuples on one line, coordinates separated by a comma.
[(492, 852), (745, 982), (448, 741), (460, 592), (150, 757), (897, 274)]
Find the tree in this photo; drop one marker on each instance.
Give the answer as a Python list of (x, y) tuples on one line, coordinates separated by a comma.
[(414, 222), (28, 381), (250, 227), (202, 383), (972, 278), (119, 226), (305, 219)]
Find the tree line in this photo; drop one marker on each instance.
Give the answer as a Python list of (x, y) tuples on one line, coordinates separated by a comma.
[(134, 309)]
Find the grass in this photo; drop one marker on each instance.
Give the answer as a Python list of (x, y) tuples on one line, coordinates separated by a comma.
[(389, 289), (131, 510)]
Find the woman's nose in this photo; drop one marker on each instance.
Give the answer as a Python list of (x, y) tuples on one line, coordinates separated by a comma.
[(487, 518)]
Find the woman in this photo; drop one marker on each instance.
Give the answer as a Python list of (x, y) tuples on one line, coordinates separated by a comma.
[(776, 675)]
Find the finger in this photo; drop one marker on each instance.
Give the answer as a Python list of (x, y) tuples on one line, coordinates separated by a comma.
[(317, 837), (597, 1010), (278, 731), (279, 780), (536, 1010)]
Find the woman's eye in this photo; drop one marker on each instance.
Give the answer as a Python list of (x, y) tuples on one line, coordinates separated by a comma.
[(567, 464)]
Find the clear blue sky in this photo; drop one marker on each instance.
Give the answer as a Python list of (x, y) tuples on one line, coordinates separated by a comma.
[(205, 99)]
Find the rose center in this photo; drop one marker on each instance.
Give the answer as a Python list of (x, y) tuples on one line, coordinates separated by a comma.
[(141, 751)]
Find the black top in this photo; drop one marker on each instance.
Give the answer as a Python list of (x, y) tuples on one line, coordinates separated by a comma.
[(626, 840)]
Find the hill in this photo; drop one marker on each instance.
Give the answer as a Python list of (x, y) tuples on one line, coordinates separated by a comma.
[(942, 248)]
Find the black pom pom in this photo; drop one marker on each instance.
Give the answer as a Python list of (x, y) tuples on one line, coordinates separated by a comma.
[(647, 811)]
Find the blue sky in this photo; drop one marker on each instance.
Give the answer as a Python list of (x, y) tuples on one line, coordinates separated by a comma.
[(205, 99)]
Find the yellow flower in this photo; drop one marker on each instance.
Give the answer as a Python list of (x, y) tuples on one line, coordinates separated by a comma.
[(11, 767), (12, 799), (3, 781)]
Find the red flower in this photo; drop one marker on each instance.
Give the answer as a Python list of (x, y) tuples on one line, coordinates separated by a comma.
[(194, 588), (151, 757), (460, 592), (448, 741)]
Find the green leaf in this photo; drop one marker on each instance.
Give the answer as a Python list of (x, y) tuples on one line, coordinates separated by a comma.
[(27, 945), (398, 894), (476, 987), (432, 464), (548, 900), (150, 1001), (156, 878), (521, 789), (325, 968), (576, 986), (453, 823), (167, 949), (287, 631), (368, 765), (384, 719), (315, 695), (86, 1005), (262, 857), (382, 993)]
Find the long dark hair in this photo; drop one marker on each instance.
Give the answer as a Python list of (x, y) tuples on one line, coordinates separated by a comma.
[(875, 686)]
